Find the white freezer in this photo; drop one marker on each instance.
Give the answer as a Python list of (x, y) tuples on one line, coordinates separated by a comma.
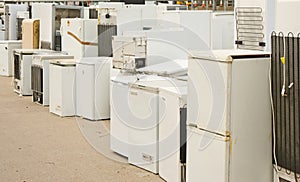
[(118, 114), (62, 87), (6, 52), (144, 121), (79, 37), (229, 117), (92, 88)]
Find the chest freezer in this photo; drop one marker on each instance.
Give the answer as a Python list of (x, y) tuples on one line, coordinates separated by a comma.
[(6, 52), (143, 123), (40, 76), (22, 60), (229, 117), (92, 88), (79, 37), (50, 15), (31, 33), (118, 118), (10, 16), (62, 87)]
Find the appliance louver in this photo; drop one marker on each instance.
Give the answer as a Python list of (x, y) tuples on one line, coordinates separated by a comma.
[(17, 67), (37, 83)]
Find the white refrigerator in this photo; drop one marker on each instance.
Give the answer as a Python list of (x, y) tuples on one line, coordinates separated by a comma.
[(92, 88), (6, 51), (229, 117), (79, 37), (62, 87)]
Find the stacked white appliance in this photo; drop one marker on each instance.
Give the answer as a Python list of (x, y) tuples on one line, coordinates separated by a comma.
[(40, 76), (229, 117), (92, 88), (62, 87), (22, 69), (79, 37), (6, 51)]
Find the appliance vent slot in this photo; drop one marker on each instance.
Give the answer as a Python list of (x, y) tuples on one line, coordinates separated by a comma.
[(105, 33), (37, 78), (17, 67), (19, 28), (93, 14)]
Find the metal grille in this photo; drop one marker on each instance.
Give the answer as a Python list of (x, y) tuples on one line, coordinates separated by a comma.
[(37, 78), (93, 14), (17, 67), (19, 28), (105, 33), (249, 26), (286, 74)]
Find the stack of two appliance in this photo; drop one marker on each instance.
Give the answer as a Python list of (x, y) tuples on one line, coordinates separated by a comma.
[(22, 69), (40, 75), (79, 39), (152, 136), (229, 117)]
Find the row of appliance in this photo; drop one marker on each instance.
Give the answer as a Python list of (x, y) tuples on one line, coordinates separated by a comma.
[(213, 126), (68, 87)]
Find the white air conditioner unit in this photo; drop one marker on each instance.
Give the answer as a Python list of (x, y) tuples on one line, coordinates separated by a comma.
[(10, 13)]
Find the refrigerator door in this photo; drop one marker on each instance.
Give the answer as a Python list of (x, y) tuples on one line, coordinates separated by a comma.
[(143, 129), (207, 156), (209, 89), (85, 90), (251, 122), (72, 34)]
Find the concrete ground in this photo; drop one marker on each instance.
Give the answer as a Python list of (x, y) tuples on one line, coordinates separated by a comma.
[(39, 146)]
